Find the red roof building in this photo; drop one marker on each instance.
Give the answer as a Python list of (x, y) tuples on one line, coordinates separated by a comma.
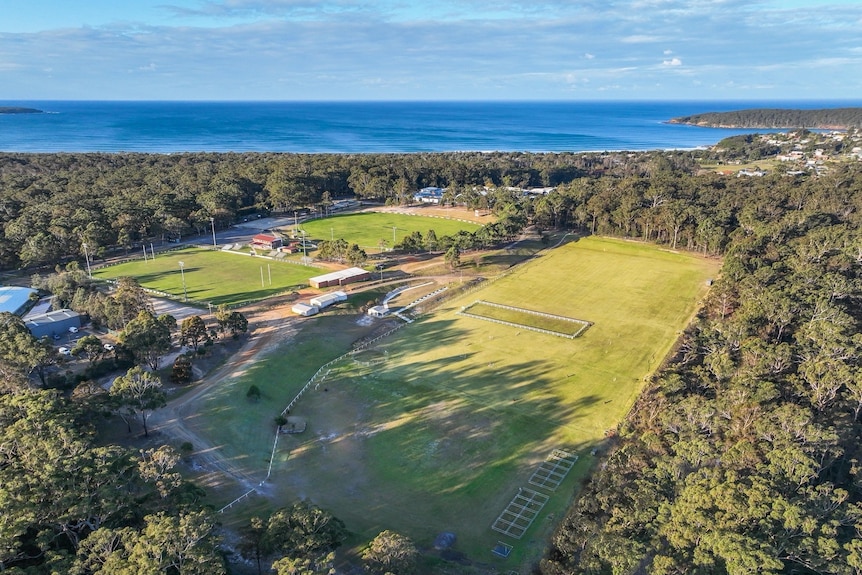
[(266, 241)]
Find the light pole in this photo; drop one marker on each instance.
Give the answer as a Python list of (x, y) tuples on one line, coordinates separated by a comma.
[(183, 275), (87, 257), (295, 226), (212, 223)]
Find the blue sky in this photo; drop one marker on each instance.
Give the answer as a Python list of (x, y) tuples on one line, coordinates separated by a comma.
[(430, 50)]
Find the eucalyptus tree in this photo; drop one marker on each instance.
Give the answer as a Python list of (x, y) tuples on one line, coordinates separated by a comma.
[(147, 338), (138, 392)]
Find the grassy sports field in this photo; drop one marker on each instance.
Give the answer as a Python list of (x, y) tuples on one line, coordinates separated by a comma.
[(213, 276), (442, 431), (369, 229)]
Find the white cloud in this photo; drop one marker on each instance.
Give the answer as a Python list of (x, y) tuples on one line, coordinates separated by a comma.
[(640, 39), (319, 49)]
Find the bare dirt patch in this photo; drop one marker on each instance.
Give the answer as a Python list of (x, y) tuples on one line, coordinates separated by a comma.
[(270, 324)]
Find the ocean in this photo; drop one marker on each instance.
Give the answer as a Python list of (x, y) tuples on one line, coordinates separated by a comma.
[(364, 127)]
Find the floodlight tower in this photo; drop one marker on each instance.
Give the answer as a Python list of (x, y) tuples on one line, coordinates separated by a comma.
[(87, 257)]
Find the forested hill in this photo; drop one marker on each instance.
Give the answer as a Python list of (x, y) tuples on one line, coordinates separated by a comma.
[(828, 118)]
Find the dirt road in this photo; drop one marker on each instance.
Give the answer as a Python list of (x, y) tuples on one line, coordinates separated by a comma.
[(270, 324)]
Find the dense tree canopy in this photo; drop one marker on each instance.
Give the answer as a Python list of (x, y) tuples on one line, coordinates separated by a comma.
[(147, 338), (742, 455), (54, 204), (69, 504), (301, 538)]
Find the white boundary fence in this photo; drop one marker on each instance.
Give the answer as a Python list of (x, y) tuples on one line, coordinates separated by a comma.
[(583, 323), (238, 499), (317, 379)]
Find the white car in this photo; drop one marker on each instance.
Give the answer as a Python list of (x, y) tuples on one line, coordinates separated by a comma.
[(109, 347), (73, 329), (65, 351)]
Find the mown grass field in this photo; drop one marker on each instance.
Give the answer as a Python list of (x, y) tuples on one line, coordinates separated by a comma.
[(440, 433), (523, 317), (370, 229), (213, 276)]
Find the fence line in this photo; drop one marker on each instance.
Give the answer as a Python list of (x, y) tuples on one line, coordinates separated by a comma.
[(237, 500), (359, 347), (583, 323), (353, 351), (522, 326), (271, 457), (478, 283)]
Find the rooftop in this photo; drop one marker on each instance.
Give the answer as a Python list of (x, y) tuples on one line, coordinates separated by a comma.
[(13, 298)]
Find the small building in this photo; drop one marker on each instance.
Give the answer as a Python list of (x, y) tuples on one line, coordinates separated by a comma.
[(304, 309), (53, 323), (378, 311), (266, 241), (327, 299), (292, 247), (339, 278), (429, 195), (15, 299)]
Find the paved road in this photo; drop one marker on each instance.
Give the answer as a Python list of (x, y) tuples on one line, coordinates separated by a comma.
[(180, 311)]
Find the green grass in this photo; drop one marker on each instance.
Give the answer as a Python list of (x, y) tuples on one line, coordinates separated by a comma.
[(442, 432), (213, 276), (368, 229), (244, 429), (561, 325)]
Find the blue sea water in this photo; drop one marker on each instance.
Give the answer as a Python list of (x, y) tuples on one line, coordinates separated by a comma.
[(362, 127)]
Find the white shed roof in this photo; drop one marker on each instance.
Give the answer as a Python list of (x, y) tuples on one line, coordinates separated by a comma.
[(327, 299)]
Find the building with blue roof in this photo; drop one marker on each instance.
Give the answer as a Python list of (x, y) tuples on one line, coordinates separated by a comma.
[(429, 195), (15, 299)]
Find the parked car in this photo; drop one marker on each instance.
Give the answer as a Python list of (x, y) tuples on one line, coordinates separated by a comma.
[(65, 351), (109, 347), (73, 329)]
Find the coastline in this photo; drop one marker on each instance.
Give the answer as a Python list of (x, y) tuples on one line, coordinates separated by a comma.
[(361, 127), (783, 118), (835, 128)]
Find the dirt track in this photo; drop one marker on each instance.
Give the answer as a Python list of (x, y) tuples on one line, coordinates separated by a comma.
[(269, 325)]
